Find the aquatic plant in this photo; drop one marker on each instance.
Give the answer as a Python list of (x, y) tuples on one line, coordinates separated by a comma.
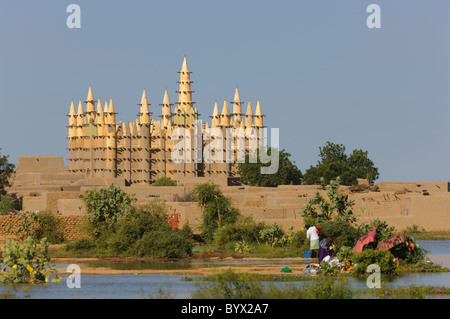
[(27, 262)]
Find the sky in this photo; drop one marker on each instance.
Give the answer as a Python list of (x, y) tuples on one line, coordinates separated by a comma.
[(320, 73)]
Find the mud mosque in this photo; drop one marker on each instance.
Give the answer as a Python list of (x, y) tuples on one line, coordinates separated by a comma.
[(140, 151)]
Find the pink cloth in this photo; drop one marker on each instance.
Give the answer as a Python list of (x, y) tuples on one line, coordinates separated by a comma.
[(365, 239)]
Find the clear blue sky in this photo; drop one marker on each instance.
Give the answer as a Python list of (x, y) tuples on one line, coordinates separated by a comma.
[(320, 73)]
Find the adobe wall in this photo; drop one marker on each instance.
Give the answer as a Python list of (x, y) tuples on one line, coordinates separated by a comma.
[(72, 226), (41, 164), (400, 204)]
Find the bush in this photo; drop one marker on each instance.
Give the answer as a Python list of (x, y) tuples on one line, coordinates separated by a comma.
[(49, 226), (147, 233), (27, 262), (80, 245), (7, 205), (245, 228), (300, 241), (164, 244), (384, 259), (342, 233), (39, 225), (274, 236), (105, 206), (164, 181)]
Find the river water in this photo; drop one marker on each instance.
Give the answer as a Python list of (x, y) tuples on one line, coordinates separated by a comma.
[(138, 286)]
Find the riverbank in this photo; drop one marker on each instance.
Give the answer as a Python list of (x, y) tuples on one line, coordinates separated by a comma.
[(266, 266)]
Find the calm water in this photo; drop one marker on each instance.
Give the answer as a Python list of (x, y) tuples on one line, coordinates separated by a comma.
[(149, 285)]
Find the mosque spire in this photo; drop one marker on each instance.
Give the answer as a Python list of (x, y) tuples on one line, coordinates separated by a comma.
[(225, 115), (166, 112), (237, 112), (144, 114), (90, 106), (185, 92)]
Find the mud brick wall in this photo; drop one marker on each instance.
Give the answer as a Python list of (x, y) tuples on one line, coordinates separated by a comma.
[(71, 224)]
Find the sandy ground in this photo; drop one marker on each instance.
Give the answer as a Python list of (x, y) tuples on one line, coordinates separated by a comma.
[(264, 268)]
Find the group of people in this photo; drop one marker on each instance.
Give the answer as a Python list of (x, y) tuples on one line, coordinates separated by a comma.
[(318, 248)]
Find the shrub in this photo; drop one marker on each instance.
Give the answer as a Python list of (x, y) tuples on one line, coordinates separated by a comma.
[(49, 226), (39, 225), (337, 207), (6, 205), (80, 245), (300, 241), (245, 228), (164, 244), (105, 206), (147, 232), (275, 236), (342, 233), (384, 259), (27, 263), (164, 181)]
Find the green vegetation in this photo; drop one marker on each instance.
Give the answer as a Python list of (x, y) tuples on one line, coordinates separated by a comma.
[(164, 181), (39, 225), (335, 163), (143, 232), (384, 259), (7, 205), (338, 206), (105, 206), (27, 262), (230, 285), (422, 234), (6, 172), (287, 173), (217, 209)]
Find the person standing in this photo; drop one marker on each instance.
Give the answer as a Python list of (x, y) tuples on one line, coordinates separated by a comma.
[(313, 235)]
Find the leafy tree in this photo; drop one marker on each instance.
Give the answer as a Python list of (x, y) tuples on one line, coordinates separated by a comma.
[(337, 207), (217, 209), (335, 163), (6, 205), (6, 171), (105, 206), (287, 173)]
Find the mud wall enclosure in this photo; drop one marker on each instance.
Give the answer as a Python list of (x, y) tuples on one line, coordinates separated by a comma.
[(43, 183)]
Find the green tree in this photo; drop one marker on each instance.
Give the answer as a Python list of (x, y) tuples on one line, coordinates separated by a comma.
[(217, 209), (337, 207), (287, 173), (105, 206), (335, 163), (6, 171)]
